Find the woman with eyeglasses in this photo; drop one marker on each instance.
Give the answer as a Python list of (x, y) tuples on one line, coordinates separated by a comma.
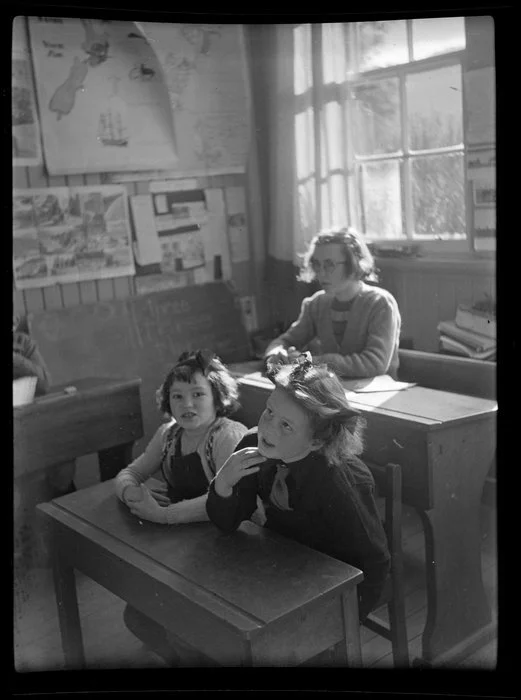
[(355, 326)]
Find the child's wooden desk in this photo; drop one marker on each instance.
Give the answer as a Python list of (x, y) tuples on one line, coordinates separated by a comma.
[(249, 598), (445, 444), (102, 416)]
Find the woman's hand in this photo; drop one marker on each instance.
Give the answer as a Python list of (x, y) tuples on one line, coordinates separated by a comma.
[(238, 465), (293, 353), (277, 355), (147, 508)]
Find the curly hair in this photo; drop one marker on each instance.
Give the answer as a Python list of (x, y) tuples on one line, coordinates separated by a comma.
[(225, 390), (317, 390), (359, 259)]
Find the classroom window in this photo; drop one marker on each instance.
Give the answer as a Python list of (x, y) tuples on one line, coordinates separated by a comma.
[(404, 115)]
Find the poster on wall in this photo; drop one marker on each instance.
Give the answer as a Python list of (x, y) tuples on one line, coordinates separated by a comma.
[(204, 69), (25, 126), (103, 102), (181, 236), (63, 234)]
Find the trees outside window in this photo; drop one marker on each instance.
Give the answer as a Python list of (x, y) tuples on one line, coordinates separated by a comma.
[(405, 127)]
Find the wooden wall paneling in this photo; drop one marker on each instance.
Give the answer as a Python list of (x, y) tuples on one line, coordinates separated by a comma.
[(412, 311), (430, 312), (92, 179), (446, 297), (106, 290), (463, 289), (37, 176), (57, 181), (482, 285), (142, 187), (88, 293), (20, 178), (74, 180), (71, 294), (52, 297), (122, 287), (131, 188), (34, 300)]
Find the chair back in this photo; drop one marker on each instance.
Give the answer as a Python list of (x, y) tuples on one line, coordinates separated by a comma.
[(388, 480)]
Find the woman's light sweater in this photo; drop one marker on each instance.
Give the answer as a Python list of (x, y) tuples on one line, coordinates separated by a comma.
[(370, 343)]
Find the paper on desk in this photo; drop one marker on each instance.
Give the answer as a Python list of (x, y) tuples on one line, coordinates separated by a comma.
[(382, 382)]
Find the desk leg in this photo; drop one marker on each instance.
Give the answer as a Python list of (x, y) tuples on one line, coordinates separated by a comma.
[(114, 459), (349, 651), (459, 616), (68, 614)]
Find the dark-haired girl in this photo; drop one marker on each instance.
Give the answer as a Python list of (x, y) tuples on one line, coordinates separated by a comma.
[(356, 326), (198, 394)]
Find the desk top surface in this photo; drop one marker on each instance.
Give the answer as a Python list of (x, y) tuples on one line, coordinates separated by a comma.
[(429, 407), (78, 389), (252, 575)]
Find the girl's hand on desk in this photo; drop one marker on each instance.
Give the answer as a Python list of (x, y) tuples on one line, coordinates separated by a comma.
[(238, 465), (148, 508), (132, 494), (159, 493)]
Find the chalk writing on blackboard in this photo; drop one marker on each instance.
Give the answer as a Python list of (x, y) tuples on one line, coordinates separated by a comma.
[(141, 336)]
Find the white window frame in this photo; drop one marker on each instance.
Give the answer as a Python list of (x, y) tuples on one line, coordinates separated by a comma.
[(400, 71)]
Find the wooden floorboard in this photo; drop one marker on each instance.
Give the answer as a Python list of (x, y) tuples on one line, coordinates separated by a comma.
[(108, 643)]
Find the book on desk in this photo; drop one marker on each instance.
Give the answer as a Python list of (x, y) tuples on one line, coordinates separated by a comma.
[(471, 334)]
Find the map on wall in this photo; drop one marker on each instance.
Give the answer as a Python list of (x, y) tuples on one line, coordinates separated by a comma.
[(102, 99), (204, 69), (70, 234)]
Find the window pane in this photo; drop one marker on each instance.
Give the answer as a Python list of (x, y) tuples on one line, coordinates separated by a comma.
[(303, 73), (382, 44), (438, 196), (431, 37), (434, 108), (381, 199), (377, 117), (333, 53)]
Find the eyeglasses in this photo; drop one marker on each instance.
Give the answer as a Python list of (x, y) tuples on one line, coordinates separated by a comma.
[(328, 266)]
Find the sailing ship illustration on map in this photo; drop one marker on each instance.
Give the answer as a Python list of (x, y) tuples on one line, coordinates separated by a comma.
[(112, 129)]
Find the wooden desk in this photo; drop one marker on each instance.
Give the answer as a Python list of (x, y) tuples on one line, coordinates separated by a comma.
[(249, 598), (103, 416), (445, 444)]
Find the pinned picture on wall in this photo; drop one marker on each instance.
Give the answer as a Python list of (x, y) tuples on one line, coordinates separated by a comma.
[(182, 251), (63, 234), (484, 193), (103, 102), (484, 234)]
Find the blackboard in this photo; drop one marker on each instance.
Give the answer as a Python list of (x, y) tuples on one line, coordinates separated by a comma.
[(140, 336)]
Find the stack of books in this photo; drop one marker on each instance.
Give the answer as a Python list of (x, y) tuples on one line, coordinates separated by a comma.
[(471, 334)]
